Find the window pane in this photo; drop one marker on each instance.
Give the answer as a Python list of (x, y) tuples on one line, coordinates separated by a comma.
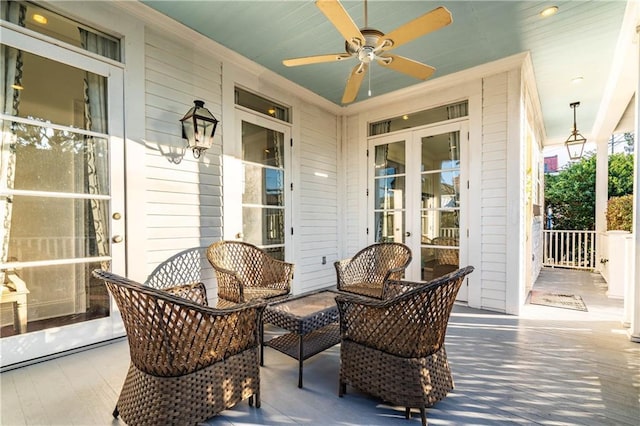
[(60, 295), (262, 145), (419, 118), (262, 105), (53, 92), (441, 152), (55, 228), (390, 159), (263, 185), (389, 227), (43, 21), (56, 160), (263, 226), (440, 224), (441, 190), (389, 193)]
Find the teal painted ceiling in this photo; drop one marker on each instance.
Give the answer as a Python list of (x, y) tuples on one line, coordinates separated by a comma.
[(578, 41)]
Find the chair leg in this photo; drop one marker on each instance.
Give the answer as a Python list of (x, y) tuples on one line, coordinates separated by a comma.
[(423, 414), (342, 389), (407, 413), (257, 395), (251, 401), (115, 413)]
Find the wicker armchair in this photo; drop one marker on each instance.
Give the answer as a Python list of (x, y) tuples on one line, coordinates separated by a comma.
[(367, 271), (245, 272), (394, 349), (188, 361)]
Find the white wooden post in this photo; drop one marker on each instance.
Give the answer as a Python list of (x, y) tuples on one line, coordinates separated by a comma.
[(634, 331), (602, 195)]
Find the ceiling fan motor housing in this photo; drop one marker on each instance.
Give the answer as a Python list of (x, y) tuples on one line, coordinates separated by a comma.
[(366, 53)]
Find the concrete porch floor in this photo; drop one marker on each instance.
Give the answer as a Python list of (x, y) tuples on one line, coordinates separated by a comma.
[(546, 366)]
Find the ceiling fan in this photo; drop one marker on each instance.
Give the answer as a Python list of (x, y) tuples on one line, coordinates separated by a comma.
[(368, 44)]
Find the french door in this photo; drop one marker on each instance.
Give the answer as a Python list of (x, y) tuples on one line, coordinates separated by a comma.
[(61, 195), (418, 195), (261, 187)]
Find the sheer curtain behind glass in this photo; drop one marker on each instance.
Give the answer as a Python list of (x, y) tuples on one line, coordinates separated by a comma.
[(11, 67), (97, 161)]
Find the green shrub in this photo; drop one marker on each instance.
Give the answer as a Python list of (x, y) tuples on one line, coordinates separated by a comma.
[(620, 213)]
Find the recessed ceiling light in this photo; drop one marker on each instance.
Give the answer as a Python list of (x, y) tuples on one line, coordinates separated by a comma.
[(549, 11), (578, 79), (40, 19), (17, 87), (405, 117)]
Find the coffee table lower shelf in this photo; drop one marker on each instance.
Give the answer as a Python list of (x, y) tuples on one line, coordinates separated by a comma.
[(310, 344)]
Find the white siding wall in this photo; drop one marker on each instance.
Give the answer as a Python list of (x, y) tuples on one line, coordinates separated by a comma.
[(494, 192), (183, 204), (355, 222), (316, 230)]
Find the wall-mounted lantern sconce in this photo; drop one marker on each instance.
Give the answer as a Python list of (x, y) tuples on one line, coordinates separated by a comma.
[(198, 128), (575, 142)]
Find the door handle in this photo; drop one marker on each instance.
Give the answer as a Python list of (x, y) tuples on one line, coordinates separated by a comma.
[(117, 239), (408, 234)]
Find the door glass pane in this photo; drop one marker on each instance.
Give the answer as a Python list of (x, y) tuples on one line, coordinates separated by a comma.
[(263, 201), (261, 145), (54, 190), (440, 204), (390, 159), (389, 226), (263, 185), (263, 226), (389, 192)]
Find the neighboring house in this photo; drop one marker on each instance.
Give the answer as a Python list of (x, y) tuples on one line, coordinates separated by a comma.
[(304, 177)]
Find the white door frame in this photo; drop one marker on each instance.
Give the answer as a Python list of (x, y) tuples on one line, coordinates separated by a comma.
[(412, 139), (24, 347), (233, 176)]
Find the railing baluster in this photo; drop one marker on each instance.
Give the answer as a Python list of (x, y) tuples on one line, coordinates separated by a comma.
[(569, 249)]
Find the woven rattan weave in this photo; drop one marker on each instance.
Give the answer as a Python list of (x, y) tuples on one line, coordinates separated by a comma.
[(182, 268), (312, 320), (188, 361), (368, 270), (394, 349), (245, 272)]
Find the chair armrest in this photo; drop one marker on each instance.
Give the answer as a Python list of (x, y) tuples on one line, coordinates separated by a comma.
[(277, 274), (195, 292), (230, 286)]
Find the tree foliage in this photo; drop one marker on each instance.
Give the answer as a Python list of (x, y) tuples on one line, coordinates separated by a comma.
[(571, 193)]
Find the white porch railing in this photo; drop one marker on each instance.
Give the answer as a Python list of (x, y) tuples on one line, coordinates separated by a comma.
[(569, 249)]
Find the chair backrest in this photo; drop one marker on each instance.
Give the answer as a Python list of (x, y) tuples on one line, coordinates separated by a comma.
[(244, 259), (182, 268), (412, 324), (172, 336), (382, 261)]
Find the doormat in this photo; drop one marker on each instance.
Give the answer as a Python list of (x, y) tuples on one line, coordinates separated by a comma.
[(557, 300)]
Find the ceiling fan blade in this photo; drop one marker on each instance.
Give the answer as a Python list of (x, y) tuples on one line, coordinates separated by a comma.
[(354, 83), (430, 21), (340, 19), (318, 59), (406, 66)]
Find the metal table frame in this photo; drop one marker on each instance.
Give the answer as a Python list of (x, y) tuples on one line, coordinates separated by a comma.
[(312, 322)]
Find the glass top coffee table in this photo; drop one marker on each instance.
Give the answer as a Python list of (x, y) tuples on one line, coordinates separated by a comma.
[(312, 322)]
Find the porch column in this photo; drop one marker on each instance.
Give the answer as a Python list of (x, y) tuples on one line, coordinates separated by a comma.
[(634, 331), (602, 195)]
